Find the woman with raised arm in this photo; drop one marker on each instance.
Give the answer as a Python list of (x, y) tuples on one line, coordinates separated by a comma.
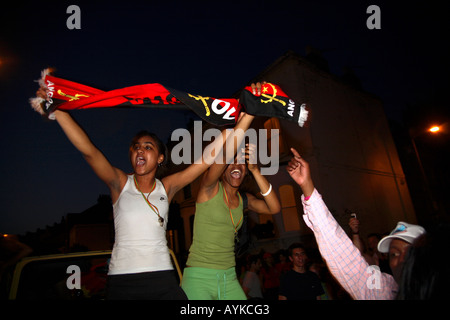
[(210, 269), (140, 266)]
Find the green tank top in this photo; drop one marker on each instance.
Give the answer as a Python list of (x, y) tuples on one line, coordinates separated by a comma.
[(213, 241)]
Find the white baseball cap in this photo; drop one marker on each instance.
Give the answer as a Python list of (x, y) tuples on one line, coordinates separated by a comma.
[(404, 231)]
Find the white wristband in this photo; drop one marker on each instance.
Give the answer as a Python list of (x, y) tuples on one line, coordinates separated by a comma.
[(268, 191)]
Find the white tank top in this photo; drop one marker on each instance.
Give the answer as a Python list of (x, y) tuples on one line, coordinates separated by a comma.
[(140, 241)]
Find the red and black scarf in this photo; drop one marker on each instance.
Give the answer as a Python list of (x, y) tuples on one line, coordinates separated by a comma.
[(68, 95)]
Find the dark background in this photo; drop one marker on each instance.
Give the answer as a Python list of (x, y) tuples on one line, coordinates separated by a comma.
[(208, 48)]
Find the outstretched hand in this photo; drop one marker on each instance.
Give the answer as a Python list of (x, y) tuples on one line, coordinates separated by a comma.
[(299, 171), (256, 88), (354, 225), (251, 157)]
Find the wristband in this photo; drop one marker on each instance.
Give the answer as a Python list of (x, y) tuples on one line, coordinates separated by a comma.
[(268, 191)]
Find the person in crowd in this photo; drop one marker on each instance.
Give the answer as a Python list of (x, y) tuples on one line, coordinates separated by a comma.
[(381, 259), (300, 283), (425, 275), (342, 257), (210, 268), (370, 253), (270, 277), (284, 264), (397, 244), (252, 282)]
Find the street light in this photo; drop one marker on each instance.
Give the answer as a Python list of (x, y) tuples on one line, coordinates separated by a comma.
[(434, 130)]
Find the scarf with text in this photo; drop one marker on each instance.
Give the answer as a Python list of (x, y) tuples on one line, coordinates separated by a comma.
[(68, 95)]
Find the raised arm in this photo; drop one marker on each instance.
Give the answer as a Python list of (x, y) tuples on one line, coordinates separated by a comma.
[(343, 259), (270, 203), (177, 181), (234, 140), (114, 178), (299, 171), (354, 226)]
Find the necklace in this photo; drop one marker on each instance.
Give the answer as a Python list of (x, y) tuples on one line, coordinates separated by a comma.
[(153, 207), (231, 216)]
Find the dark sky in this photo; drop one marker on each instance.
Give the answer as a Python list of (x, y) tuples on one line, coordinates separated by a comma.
[(205, 47)]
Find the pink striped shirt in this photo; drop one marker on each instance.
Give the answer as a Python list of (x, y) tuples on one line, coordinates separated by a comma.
[(344, 260)]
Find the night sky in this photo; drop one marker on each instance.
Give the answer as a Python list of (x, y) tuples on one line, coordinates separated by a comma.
[(210, 48)]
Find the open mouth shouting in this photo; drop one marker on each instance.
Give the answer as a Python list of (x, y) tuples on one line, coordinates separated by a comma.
[(140, 161), (236, 174)]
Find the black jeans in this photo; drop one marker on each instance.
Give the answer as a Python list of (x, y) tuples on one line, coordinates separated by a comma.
[(158, 285)]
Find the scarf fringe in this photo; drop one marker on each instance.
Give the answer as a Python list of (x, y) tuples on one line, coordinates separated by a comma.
[(303, 116), (37, 103)]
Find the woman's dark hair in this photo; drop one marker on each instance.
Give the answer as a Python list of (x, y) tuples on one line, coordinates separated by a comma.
[(162, 149), (425, 274)]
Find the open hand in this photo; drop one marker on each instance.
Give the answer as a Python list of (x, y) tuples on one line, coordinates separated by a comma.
[(251, 157), (256, 88)]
